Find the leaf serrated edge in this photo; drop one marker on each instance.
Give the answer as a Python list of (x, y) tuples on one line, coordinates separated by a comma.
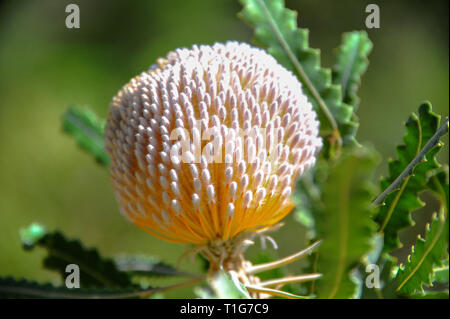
[(24, 287), (336, 134), (435, 239), (89, 135)]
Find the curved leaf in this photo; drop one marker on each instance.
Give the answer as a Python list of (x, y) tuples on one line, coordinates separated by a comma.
[(87, 130), (424, 255), (13, 288), (95, 271), (276, 30), (395, 215), (351, 64), (344, 223), (427, 254)]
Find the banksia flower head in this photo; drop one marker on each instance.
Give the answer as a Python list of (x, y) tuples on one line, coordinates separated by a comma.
[(206, 146)]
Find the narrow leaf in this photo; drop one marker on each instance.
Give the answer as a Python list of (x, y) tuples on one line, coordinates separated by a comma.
[(427, 254), (395, 215), (95, 271), (276, 30), (344, 223), (13, 288), (351, 64), (438, 184), (424, 255), (87, 130)]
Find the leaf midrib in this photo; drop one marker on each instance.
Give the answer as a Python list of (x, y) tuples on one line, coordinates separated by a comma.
[(343, 211), (346, 75), (304, 77), (404, 184), (86, 129), (84, 267), (427, 252)]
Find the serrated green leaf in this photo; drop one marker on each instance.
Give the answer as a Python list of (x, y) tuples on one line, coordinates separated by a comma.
[(149, 266), (12, 288), (395, 215), (438, 184), (87, 130), (95, 271), (32, 234), (276, 30), (344, 223), (351, 64), (425, 255), (387, 269)]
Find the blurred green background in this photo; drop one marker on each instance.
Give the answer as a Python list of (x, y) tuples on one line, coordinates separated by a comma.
[(45, 67)]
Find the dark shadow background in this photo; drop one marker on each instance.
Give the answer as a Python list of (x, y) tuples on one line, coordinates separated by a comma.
[(45, 67)]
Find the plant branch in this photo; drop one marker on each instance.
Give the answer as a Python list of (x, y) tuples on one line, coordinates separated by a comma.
[(409, 169)]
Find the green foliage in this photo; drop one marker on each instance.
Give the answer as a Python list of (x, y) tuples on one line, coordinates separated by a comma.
[(441, 272), (95, 271), (428, 261), (333, 201), (225, 286), (395, 214), (387, 269), (344, 223), (438, 184), (12, 288), (87, 130), (149, 266), (351, 64), (276, 30), (425, 254)]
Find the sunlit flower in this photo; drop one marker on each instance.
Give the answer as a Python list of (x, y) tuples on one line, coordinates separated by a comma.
[(208, 144)]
